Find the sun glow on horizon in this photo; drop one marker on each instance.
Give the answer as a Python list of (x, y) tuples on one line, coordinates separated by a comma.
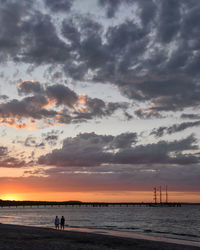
[(11, 197)]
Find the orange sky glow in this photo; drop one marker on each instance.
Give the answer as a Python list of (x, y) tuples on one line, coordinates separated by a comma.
[(123, 196)]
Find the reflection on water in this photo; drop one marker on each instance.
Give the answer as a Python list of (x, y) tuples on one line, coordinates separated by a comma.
[(182, 222)]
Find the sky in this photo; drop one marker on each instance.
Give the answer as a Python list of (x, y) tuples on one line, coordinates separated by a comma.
[(99, 99)]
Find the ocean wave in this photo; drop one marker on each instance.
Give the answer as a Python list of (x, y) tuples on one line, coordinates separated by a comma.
[(171, 233)]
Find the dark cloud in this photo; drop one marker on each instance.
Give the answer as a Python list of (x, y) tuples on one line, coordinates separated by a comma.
[(190, 116), (4, 97), (11, 15), (55, 104), (28, 87), (165, 93), (28, 35), (51, 137), (70, 31), (166, 75), (62, 95), (147, 9), (174, 128), (97, 108), (128, 116), (59, 5), (32, 141), (88, 51), (93, 150), (8, 161), (29, 107), (12, 162), (41, 44), (111, 6), (90, 150), (147, 114), (3, 151), (158, 153), (153, 60), (159, 132), (124, 140), (170, 20)]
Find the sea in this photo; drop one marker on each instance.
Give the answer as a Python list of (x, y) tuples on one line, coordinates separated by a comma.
[(170, 222)]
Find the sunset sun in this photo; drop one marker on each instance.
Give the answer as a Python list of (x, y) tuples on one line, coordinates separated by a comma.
[(10, 197)]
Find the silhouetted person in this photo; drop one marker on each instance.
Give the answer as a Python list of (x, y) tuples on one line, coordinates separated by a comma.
[(57, 222), (62, 222)]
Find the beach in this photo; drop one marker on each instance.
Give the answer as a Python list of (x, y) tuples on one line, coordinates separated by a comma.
[(32, 238)]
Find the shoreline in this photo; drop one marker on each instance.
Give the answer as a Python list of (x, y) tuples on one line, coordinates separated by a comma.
[(137, 236), (32, 238)]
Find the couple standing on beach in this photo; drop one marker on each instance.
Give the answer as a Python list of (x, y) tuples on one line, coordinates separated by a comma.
[(60, 222)]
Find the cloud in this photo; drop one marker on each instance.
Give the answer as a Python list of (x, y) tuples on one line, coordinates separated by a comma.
[(114, 178), (41, 42), (55, 104), (174, 128), (4, 97), (28, 36), (97, 108), (8, 161), (32, 141), (30, 87), (11, 15), (158, 153), (29, 107), (153, 60), (59, 5), (147, 114), (164, 93), (3, 151), (90, 149), (111, 6), (166, 75), (170, 20), (62, 95), (52, 137), (190, 116), (146, 8), (87, 147)]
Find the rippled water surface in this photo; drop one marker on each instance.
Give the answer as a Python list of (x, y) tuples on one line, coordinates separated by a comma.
[(174, 222)]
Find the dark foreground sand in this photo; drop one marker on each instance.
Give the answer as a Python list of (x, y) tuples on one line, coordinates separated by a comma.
[(31, 238)]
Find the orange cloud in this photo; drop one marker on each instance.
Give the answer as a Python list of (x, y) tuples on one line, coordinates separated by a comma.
[(82, 99), (50, 103), (81, 104)]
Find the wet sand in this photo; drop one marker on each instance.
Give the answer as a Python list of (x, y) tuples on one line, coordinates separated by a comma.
[(31, 238)]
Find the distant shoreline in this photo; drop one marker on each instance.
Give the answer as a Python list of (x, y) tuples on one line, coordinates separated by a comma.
[(31, 238)]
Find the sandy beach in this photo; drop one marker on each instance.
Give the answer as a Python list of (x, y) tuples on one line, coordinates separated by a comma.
[(31, 238)]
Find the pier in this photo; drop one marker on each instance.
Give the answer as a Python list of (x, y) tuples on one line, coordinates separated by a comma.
[(16, 204)]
